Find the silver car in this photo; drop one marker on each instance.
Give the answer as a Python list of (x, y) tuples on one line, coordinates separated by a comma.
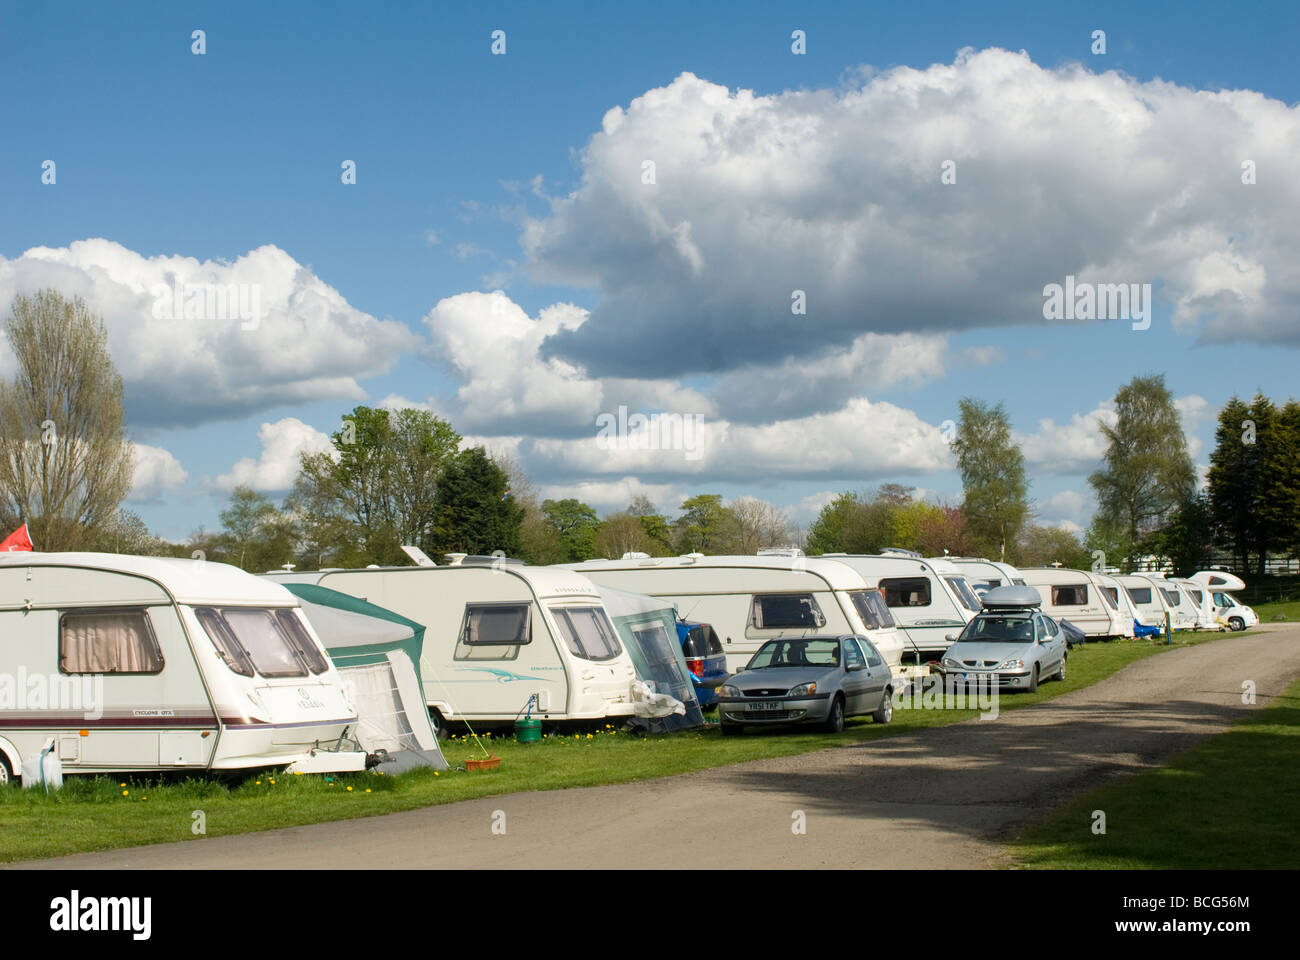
[(1010, 643), (801, 680)]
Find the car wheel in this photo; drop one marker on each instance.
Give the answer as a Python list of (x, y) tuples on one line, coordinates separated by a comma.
[(835, 719), (1033, 680), (886, 712), (1237, 623), (730, 729), (1060, 674)]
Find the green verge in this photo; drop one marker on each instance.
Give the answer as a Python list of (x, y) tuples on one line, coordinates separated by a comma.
[(1267, 611), (1227, 802), (104, 813)]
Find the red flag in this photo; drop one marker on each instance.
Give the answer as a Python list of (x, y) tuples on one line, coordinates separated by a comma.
[(20, 539)]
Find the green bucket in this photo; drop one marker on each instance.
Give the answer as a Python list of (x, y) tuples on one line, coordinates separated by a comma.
[(528, 730)]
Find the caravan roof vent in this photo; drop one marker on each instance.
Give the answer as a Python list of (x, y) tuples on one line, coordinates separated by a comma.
[(900, 552), (781, 552), (455, 559), (635, 555)]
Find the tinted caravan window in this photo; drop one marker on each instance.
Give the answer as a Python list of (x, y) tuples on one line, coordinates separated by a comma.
[(108, 641), (1141, 596), (302, 642), (494, 631), (783, 610), (906, 591)]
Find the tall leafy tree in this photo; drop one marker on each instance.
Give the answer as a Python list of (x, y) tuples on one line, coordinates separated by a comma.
[(705, 526), (1188, 537), (65, 463), (992, 468), (576, 523), (474, 513), (1279, 494), (656, 526), (1146, 471), (829, 532), (381, 480), (244, 521), (1234, 480)]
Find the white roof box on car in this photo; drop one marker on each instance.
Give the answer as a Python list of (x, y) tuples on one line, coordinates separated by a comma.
[(1002, 598)]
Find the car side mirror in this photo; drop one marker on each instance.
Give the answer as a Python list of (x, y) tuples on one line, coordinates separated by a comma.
[(951, 638)]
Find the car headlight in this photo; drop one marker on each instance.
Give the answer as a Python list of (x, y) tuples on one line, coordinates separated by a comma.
[(804, 690), (948, 662), (1011, 665), (729, 691)]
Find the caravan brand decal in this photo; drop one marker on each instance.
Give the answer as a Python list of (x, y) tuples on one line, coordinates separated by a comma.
[(307, 702), (22, 691), (153, 713), (503, 676)]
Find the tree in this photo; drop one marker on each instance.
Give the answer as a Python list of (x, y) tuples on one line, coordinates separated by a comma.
[(576, 523), (656, 526), (1044, 546), (1234, 480), (829, 532), (243, 521), (1279, 493), (622, 533), (1146, 472), (65, 463), (992, 469), (473, 512), (128, 533), (705, 526), (1188, 536), (945, 529), (760, 525), (381, 479)]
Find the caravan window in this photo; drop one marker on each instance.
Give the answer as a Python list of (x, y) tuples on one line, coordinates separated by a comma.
[(906, 591), (1172, 596), (587, 632), (1112, 594), (1070, 595), (494, 631), (1141, 596), (108, 641), (871, 608), (265, 643), (1106, 595), (776, 611), (302, 641), (1197, 597), (964, 593), (223, 639)]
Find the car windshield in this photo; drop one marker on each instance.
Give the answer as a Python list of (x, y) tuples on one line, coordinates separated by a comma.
[(809, 652), (1015, 627)]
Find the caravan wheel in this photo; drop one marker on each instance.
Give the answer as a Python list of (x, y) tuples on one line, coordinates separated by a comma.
[(5, 772), (439, 724)]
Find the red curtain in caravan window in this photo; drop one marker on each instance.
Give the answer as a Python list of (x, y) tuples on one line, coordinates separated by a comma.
[(108, 641)]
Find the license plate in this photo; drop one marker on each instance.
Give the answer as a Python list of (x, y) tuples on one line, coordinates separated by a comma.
[(764, 705)]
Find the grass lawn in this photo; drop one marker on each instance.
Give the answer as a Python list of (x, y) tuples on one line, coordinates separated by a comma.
[(100, 813), (1229, 801), (1267, 611)]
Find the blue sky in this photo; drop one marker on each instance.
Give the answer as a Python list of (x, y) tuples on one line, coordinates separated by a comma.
[(460, 154)]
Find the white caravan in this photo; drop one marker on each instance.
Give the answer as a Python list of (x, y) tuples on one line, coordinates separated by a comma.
[(1181, 608), (985, 575), (1077, 596), (750, 600), (1117, 597), (1148, 601), (929, 598), (498, 633), (135, 664)]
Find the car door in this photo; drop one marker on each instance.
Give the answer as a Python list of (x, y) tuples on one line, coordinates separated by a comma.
[(857, 677), (1053, 646), (877, 675)]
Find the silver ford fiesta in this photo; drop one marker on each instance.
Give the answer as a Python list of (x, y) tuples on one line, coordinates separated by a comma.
[(817, 680)]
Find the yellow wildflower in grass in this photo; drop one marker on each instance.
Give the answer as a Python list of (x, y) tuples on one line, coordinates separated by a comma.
[(349, 789), (125, 792), (367, 789)]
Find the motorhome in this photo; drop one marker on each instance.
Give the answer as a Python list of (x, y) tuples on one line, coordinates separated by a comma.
[(136, 664), (1228, 610), (985, 575), (498, 633), (1078, 596), (752, 599), (929, 599)]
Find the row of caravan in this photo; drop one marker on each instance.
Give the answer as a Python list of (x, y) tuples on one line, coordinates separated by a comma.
[(116, 662)]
